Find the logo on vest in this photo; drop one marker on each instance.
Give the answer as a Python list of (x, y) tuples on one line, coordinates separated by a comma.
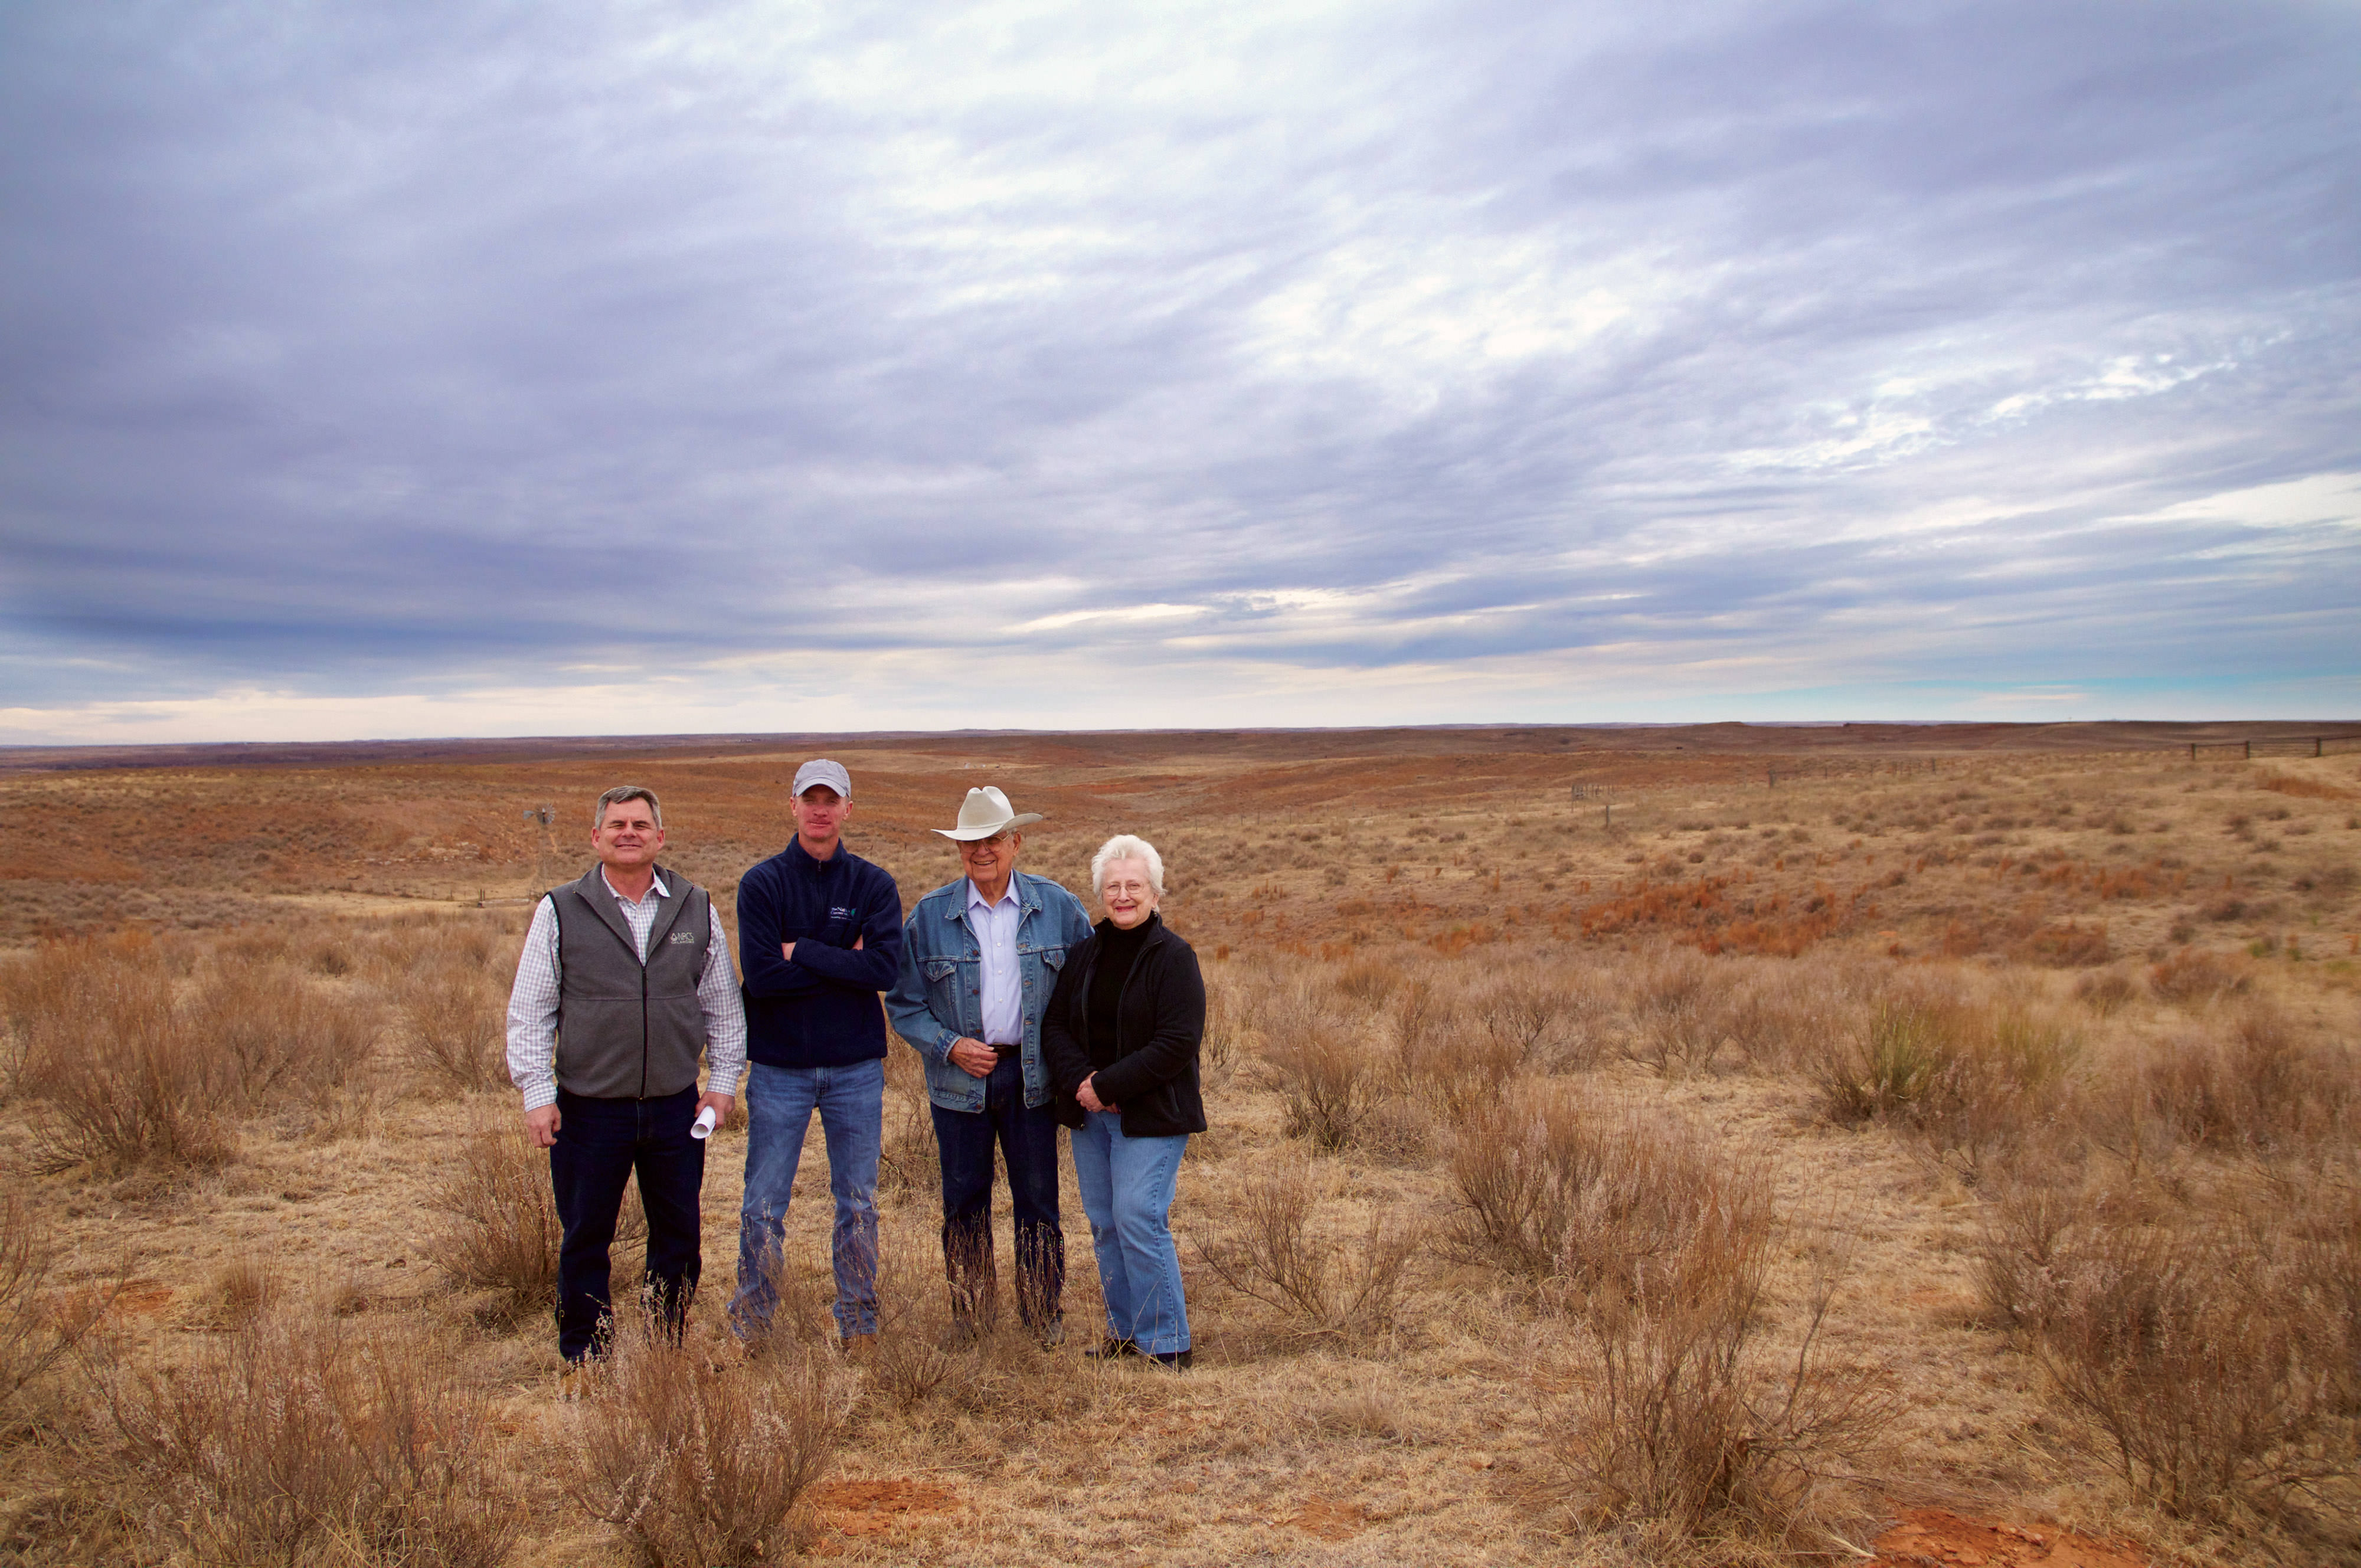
[(679, 937)]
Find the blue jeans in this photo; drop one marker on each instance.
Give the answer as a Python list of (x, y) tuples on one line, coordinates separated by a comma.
[(1028, 1136), (599, 1144), (1128, 1187), (779, 1106)]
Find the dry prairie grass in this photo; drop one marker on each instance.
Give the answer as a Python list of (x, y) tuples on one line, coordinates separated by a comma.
[(1348, 1293), (306, 1442), (1510, 1175), (697, 1454)]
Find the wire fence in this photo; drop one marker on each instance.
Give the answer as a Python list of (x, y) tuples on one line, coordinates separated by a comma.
[(2276, 746)]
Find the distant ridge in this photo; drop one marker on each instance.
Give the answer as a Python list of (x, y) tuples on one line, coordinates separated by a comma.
[(1771, 737)]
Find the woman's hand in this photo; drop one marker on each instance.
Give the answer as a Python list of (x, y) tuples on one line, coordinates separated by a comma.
[(1088, 1096)]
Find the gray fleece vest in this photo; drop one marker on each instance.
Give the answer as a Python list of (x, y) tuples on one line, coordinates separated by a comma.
[(628, 1030)]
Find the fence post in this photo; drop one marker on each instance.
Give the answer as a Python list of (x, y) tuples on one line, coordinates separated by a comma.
[(2250, 750)]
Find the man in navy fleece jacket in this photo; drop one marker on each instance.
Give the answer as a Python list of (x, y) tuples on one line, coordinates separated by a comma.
[(819, 935)]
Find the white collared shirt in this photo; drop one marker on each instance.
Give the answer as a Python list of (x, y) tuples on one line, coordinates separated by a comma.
[(532, 1004), (1002, 985)]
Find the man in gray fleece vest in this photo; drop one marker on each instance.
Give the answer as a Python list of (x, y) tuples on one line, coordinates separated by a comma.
[(625, 982)]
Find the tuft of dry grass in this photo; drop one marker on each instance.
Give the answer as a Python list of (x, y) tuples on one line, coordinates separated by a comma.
[(309, 1441), (1970, 1081), (695, 1454), (1346, 1292)]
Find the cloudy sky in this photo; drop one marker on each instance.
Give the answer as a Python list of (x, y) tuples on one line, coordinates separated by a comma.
[(482, 369)]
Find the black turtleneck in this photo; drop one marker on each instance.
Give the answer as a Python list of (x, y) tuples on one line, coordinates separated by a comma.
[(1117, 950)]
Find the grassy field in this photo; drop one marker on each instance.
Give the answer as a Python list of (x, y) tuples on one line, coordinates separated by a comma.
[(1693, 1145)]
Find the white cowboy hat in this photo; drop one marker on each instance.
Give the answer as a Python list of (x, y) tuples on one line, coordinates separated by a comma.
[(984, 812)]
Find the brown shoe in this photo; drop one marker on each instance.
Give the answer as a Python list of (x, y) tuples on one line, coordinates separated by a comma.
[(574, 1382), (861, 1349)]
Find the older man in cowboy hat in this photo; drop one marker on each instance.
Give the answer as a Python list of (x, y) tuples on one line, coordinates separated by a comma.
[(980, 956)]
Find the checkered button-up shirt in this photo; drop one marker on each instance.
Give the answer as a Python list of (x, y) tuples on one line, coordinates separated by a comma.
[(532, 1004)]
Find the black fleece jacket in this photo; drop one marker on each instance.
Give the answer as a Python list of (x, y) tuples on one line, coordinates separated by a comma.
[(1160, 1023)]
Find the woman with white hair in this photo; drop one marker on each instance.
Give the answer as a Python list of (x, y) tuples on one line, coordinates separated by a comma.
[(1122, 1034)]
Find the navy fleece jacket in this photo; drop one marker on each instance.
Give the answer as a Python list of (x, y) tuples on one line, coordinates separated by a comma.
[(820, 1010)]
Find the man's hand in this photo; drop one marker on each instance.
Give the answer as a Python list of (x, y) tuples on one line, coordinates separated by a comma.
[(721, 1104), (1088, 1095), (542, 1122), (973, 1057)]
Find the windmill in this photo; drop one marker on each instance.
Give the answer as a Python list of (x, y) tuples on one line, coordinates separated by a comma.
[(542, 845)]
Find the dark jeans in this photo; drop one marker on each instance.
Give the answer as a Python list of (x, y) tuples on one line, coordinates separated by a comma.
[(600, 1143), (1028, 1143)]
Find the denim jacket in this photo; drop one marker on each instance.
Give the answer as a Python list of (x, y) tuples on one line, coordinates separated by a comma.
[(940, 996)]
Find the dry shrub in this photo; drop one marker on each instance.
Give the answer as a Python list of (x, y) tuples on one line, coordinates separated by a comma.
[(454, 1026), (1892, 1062), (137, 1069), (1366, 982), (1347, 1293), (122, 1084), (1693, 1420), (908, 1164), (35, 1333), (312, 1443), (1969, 1081), (1439, 1064), (2207, 1351), (1218, 1047), (2107, 992), (1528, 1014), (1676, 1022), (910, 1366), (2067, 943), (279, 1040), (2257, 1084), (696, 1454), (1560, 1186), (2315, 789), (1328, 1083), (503, 1232), (1519, 1165), (2195, 974)]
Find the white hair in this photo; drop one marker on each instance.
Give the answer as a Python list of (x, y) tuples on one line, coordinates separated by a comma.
[(1126, 846)]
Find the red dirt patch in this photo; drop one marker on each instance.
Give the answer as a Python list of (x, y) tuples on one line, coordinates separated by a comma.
[(1943, 1539), (875, 1508), (1328, 1518)]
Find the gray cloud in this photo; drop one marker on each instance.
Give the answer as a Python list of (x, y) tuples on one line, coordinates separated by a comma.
[(440, 347)]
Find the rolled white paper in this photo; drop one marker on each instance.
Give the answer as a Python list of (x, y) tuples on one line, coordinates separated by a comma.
[(702, 1128)]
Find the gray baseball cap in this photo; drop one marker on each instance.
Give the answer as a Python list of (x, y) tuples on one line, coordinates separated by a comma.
[(820, 771)]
